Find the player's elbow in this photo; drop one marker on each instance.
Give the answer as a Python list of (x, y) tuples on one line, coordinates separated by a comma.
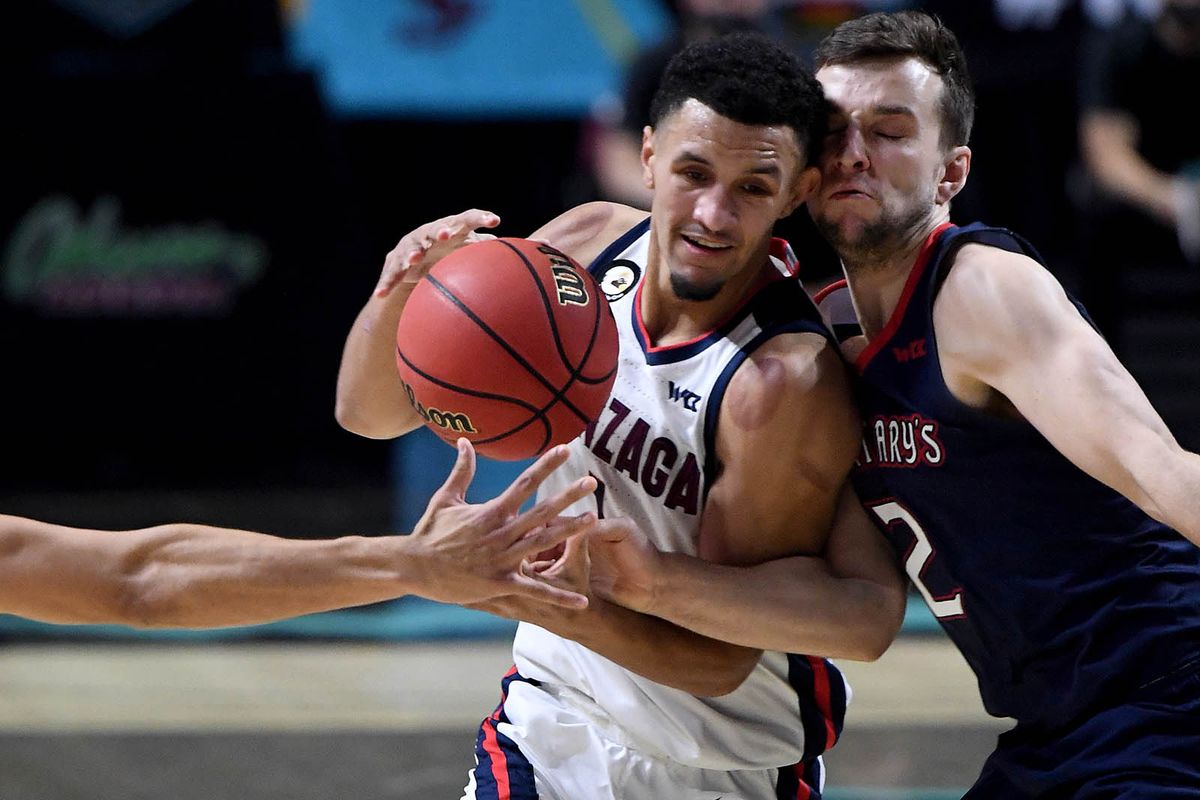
[(352, 416), (874, 633)]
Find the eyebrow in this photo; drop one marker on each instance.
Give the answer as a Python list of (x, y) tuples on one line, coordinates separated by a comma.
[(892, 111), (686, 156)]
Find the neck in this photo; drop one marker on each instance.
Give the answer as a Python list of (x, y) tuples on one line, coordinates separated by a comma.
[(671, 320), (877, 278)]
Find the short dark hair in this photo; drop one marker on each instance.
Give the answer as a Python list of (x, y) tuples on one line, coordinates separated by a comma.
[(921, 36), (749, 79)]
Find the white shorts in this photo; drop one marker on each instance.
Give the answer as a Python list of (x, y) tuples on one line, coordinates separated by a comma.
[(539, 744)]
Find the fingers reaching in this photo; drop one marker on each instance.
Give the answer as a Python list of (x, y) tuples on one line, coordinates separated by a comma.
[(419, 250), (538, 589), (550, 508), (461, 474), (528, 481), (545, 537), (612, 530)]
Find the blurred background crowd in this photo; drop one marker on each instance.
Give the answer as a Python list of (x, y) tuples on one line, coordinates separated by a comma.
[(198, 195)]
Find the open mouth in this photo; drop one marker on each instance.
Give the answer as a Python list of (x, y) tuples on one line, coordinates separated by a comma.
[(707, 245)]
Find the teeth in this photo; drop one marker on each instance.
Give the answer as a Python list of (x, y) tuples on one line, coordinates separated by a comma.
[(706, 243)]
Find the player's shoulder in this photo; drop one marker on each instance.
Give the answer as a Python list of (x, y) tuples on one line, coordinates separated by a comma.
[(800, 368), (585, 230), (985, 278), (792, 398)]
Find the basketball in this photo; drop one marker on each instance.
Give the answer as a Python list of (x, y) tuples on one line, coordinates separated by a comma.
[(509, 343)]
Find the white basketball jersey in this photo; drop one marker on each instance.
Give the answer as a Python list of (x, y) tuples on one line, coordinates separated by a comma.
[(652, 453)]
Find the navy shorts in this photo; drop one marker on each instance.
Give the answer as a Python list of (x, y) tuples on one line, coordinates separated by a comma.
[(1147, 748)]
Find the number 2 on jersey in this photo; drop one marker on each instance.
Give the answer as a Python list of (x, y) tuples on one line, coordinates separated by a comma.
[(922, 553)]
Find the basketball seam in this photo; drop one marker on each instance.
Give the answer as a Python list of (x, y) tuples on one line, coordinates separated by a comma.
[(464, 390), (576, 372), (557, 395), (535, 413), (547, 307)]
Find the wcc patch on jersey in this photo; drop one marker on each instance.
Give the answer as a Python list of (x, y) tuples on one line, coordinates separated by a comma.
[(618, 278)]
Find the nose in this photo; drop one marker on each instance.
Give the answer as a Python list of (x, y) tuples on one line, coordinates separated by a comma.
[(850, 151), (714, 209)]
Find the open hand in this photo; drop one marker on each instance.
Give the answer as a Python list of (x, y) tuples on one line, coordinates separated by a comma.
[(469, 553), (567, 572), (416, 252)]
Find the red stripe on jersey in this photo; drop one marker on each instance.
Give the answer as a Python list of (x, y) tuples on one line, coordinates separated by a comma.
[(763, 280), (821, 694), (828, 290), (889, 330), (803, 792), (499, 762), (492, 747), (781, 249)]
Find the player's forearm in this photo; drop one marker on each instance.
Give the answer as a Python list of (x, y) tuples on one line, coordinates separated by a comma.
[(794, 605), (370, 397), (196, 576), (1169, 495), (1112, 157), (659, 650)]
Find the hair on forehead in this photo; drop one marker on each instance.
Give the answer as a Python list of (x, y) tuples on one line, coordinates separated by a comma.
[(912, 34), (747, 78)]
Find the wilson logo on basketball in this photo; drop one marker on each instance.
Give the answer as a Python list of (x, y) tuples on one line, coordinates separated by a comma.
[(568, 283), (450, 420)]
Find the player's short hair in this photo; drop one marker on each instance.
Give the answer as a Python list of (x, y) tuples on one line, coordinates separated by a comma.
[(921, 36), (747, 78)]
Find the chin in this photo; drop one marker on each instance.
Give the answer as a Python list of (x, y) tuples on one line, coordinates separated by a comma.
[(694, 291), (843, 229)]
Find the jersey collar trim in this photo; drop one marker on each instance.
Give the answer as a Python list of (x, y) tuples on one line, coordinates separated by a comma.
[(910, 287), (669, 354)]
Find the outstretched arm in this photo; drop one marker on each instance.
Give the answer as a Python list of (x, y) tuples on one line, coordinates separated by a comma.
[(1013, 341), (184, 575)]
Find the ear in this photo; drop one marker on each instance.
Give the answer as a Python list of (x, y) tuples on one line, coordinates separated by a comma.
[(954, 174), (648, 157), (802, 188)]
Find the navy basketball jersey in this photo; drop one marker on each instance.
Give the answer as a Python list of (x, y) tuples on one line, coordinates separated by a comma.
[(1059, 592)]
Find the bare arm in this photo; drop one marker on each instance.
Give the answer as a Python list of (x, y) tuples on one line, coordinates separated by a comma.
[(844, 599), (370, 398), (649, 646), (847, 604), (1108, 141), (1013, 337), (619, 170), (184, 575)]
